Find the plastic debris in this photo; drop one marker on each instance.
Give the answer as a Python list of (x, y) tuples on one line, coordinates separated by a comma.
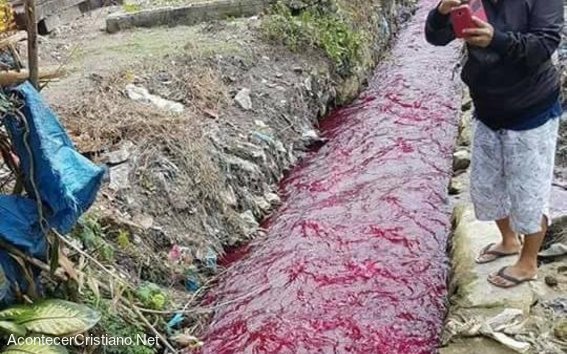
[(119, 156), (211, 260), (141, 94), (192, 282), (555, 250), (501, 328), (174, 322), (65, 180)]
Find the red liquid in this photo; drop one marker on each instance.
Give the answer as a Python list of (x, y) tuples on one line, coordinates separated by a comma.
[(355, 259)]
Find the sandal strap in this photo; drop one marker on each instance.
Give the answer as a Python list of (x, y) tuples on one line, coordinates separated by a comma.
[(487, 251), (509, 278)]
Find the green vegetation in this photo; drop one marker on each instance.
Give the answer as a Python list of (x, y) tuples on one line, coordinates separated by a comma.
[(130, 8), (152, 296), (48, 317), (114, 322), (318, 26), (91, 233)]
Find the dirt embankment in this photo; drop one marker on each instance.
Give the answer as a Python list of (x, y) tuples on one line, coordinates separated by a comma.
[(197, 174)]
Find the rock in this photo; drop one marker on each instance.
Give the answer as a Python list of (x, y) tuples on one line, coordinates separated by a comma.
[(145, 221), (272, 198), (248, 152), (465, 129), (467, 104), (456, 186), (243, 99), (461, 160), (551, 281), (211, 114), (186, 340), (560, 330), (308, 83), (260, 124), (262, 204), (119, 156), (310, 136), (229, 197), (250, 223), (141, 94), (241, 165)]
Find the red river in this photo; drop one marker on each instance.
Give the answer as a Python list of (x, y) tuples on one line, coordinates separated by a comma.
[(355, 259)]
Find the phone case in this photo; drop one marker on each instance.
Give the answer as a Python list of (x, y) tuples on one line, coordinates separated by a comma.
[(461, 17), (477, 9)]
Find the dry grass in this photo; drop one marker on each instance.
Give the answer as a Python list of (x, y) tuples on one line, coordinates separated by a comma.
[(105, 116), (174, 174)]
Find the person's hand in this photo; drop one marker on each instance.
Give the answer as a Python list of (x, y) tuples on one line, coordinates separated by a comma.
[(481, 36), (447, 5)]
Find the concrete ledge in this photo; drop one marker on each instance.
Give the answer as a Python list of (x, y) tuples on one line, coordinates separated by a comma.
[(472, 290), (186, 15)]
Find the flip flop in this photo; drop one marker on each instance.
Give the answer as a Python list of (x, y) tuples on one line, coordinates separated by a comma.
[(514, 281), (497, 254)]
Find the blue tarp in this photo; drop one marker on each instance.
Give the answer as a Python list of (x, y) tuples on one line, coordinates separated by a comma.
[(66, 181)]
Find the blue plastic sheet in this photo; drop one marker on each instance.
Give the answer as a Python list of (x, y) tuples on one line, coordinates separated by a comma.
[(66, 182)]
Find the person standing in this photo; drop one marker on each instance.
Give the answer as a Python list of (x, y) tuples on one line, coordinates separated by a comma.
[(515, 88)]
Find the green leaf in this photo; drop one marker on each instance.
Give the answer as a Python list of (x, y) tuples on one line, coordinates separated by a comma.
[(12, 328), (35, 349), (15, 312), (57, 318)]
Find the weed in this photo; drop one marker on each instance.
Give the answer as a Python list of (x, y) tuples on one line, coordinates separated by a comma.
[(317, 27), (130, 8), (91, 233), (114, 323), (123, 239), (152, 296)]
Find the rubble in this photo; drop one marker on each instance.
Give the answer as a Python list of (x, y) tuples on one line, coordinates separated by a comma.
[(243, 99), (461, 160)]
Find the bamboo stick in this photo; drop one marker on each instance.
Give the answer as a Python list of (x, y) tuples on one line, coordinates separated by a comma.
[(31, 24), (12, 77)]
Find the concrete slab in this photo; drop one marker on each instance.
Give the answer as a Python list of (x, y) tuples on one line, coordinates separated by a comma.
[(469, 278), (186, 15)]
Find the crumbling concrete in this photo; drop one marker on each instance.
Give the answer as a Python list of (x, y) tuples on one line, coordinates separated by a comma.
[(186, 15)]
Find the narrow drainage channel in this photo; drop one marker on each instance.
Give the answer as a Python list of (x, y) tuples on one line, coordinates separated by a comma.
[(355, 260)]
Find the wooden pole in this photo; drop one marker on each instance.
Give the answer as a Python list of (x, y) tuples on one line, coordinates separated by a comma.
[(31, 24)]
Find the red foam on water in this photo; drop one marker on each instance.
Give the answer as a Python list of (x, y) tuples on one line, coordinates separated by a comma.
[(354, 260)]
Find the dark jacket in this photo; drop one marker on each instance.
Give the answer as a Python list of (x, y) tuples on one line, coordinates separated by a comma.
[(513, 79)]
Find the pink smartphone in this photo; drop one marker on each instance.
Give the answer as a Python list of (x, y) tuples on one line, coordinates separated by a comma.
[(461, 17)]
